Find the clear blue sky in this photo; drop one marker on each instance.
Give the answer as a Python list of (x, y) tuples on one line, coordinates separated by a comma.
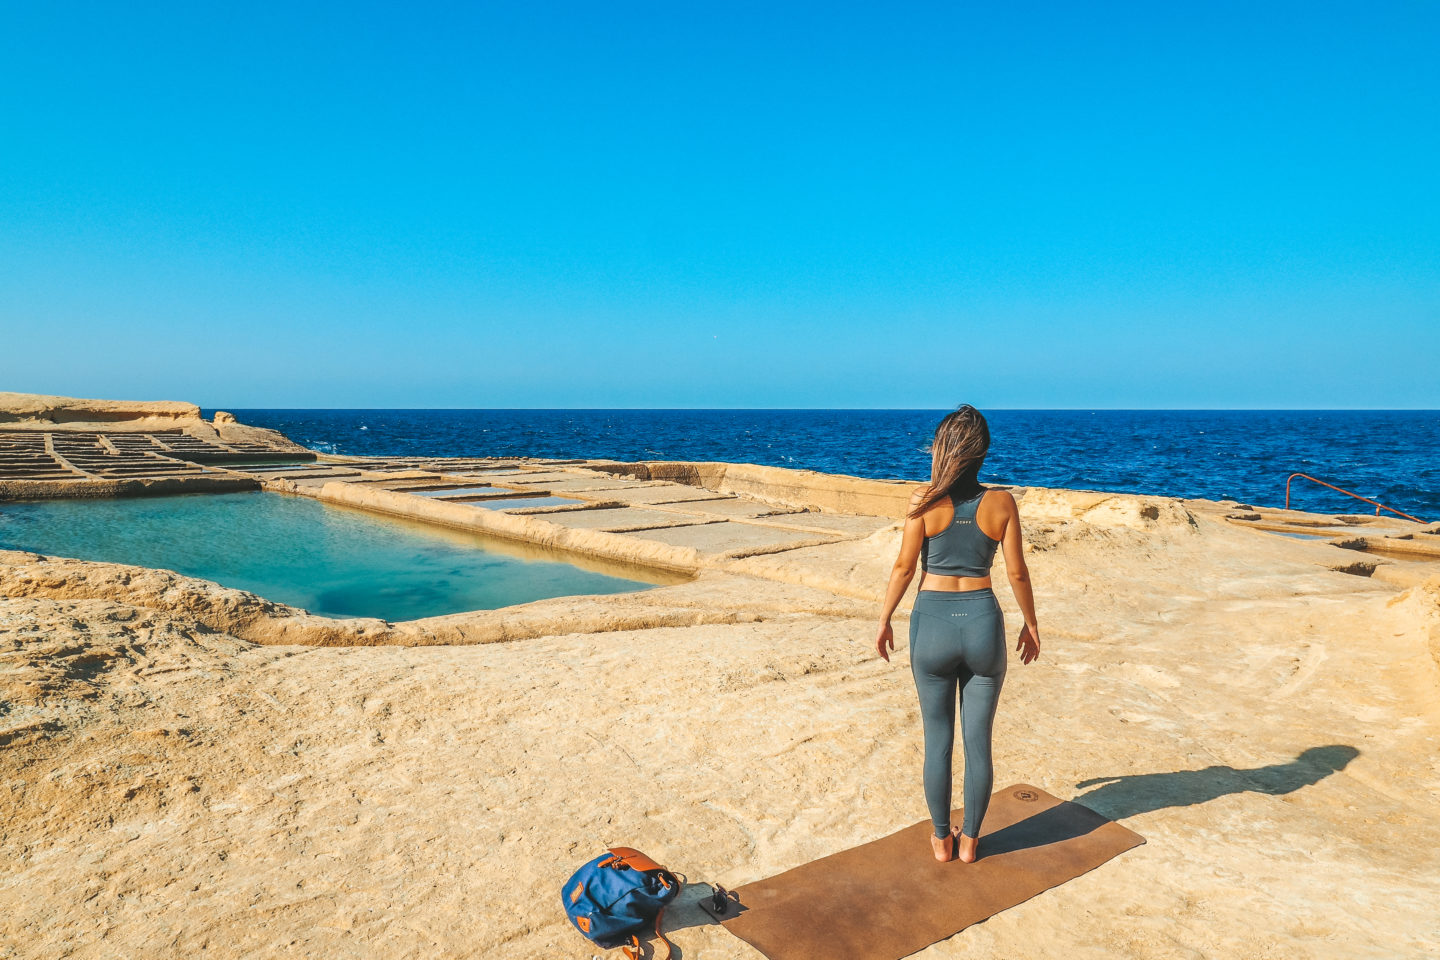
[(722, 205)]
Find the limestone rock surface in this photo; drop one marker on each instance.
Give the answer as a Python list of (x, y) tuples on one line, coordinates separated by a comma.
[(38, 411), (187, 770)]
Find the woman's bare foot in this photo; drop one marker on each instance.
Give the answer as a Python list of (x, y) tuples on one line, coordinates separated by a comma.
[(943, 847), (969, 847)]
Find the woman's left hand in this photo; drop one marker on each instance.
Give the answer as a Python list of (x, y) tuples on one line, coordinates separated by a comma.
[(885, 638)]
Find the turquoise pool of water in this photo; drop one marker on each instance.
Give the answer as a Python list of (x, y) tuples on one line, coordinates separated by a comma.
[(329, 560)]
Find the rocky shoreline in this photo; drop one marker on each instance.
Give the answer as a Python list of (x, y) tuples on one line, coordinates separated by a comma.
[(191, 768)]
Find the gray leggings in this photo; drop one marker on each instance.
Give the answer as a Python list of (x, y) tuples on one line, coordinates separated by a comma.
[(957, 640)]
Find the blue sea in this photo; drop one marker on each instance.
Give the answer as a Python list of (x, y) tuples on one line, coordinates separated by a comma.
[(1390, 456)]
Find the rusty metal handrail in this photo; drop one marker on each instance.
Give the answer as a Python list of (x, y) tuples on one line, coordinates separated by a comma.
[(1378, 505)]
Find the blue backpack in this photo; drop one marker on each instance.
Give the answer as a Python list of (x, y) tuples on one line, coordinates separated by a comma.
[(618, 894)]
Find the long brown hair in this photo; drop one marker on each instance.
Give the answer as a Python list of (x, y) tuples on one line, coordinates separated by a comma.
[(961, 442)]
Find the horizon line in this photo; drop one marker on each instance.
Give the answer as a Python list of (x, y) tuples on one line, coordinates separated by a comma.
[(227, 409)]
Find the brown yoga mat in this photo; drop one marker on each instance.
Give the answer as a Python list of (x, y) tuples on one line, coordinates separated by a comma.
[(889, 898)]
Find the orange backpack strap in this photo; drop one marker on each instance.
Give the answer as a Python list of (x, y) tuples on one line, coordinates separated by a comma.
[(634, 859), (633, 950)]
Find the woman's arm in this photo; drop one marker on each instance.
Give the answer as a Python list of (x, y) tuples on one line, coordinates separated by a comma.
[(1013, 543), (900, 576)]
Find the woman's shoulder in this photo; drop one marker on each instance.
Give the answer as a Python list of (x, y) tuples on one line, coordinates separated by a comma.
[(922, 493), (998, 498), (917, 498), (996, 511)]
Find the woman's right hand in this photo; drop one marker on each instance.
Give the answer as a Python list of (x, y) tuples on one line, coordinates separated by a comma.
[(1028, 646)]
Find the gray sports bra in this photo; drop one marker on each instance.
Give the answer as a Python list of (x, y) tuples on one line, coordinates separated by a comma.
[(961, 549)]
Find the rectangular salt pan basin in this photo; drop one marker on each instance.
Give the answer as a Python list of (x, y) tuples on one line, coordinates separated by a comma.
[(330, 560), (443, 492), (521, 502), (278, 467)]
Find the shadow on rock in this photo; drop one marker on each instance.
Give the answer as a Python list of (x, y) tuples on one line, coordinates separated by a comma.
[(1130, 796)]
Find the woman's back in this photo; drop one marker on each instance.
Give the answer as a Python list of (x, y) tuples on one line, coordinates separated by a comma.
[(960, 547)]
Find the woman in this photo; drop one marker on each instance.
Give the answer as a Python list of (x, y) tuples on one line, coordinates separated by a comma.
[(957, 632)]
